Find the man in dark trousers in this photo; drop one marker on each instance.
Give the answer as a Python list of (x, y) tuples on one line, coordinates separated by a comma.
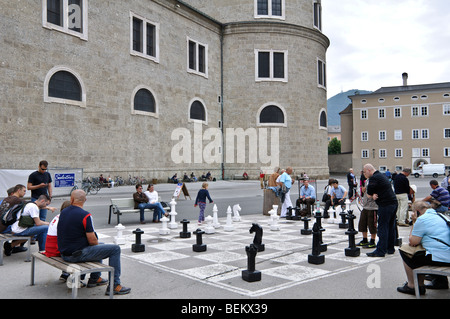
[(380, 190)]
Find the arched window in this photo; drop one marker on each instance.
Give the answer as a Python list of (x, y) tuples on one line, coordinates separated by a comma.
[(271, 115), (144, 101), (64, 85), (323, 119), (197, 111)]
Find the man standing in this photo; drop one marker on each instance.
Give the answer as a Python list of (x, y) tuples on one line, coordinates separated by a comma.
[(78, 242), (402, 189), (40, 183), (351, 181), (439, 198), (286, 184), (380, 190)]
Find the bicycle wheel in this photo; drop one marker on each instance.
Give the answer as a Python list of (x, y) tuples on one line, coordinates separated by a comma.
[(93, 190)]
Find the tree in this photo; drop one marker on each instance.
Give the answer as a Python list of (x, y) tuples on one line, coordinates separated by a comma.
[(334, 147)]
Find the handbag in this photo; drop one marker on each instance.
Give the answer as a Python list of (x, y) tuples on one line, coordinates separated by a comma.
[(413, 251), (26, 221)]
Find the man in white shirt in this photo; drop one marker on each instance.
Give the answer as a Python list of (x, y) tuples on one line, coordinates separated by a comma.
[(39, 230), (153, 203)]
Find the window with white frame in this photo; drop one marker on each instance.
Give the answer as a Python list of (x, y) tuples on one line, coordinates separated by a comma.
[(397, 112), (270, 9), (425, 152), (424, 111), (381, 113), (446, 133), (398, 152), (425, 133), (144, 38), (364, 136), (364, 153), (271, 65), (364, 114), (416, 152), (446, 109), (197, 62), (382, 135), (321, 74), (415, 111), (382, 153), (68, 16), (398, 135), (415, 134), (318, 15), (446, 151)]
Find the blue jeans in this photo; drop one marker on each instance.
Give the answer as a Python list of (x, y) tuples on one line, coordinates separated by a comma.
[(40, 232), (158, 210), (97, 253), (441, 209), (386, 229)]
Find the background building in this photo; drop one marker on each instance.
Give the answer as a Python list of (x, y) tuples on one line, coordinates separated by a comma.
[(122, 87), (402, 126)]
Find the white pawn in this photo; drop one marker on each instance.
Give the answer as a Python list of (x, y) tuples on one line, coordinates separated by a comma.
[(229, 226), (274, 220), (173, 213), (338, 211), (216, 222), (164, 230), (347, 205), (119, 240), (209, 229), (236, 215), (331, 213)]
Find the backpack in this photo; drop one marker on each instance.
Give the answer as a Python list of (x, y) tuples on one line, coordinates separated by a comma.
[(9, 215)]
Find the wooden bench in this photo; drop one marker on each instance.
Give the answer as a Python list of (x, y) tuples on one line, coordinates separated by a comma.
[(7, 237), (428, 270), (74, 269), (125, 205)]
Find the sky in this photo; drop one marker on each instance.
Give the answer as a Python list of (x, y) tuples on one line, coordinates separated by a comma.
[(373, 42)]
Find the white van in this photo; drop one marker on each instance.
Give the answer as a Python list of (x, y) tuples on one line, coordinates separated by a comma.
[(430, 169)]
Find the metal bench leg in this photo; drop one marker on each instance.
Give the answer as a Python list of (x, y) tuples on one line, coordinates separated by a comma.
[(1, 251), (33, 262), (28, 250), (110, 211), (416, 283)]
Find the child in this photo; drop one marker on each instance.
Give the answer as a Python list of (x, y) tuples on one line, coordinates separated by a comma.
[(201, 201)]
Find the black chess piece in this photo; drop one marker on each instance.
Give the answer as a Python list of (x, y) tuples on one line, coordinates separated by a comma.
[(352, 250), (296, 215), (199, 246), (257, 240), (251, 274), (343, 224), (315, 257), (318, 216), (138, 247), (306, 230), (185, 233), (289, 213)]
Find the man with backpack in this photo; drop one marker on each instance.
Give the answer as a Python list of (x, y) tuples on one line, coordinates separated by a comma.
[(28, 222)]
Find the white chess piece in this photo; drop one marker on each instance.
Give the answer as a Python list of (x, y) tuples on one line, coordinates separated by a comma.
[(164, 230), (173, 213), (119, 239), (338, 211), (236, 215), (347, 205), (331, 213), (216, 222), (229, 226), (209, 229), (274, 220)]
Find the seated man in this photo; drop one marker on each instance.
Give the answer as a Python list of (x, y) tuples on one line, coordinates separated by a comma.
[(78, 242), (307, 196), (141, 202), (338, 194), (40, 228), (153, 203), (439, 198)]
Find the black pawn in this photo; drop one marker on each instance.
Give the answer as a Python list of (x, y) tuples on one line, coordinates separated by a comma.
[(199, 246), (138, 247), (251, 275), (289, 213), (185, 233), (318, 217), (343, 223), (306, 230), (315, 257), (352, 250), (296, 215)]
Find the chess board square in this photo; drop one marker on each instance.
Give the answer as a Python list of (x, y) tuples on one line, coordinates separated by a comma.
[(158, 257), (292, 258), (295, 272), (362, 259), (172, 245), (227, 246), (207, 272), (221, 257)]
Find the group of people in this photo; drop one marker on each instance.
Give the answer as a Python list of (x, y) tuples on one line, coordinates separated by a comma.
[(148, 200), (70, 234), (192, 178)]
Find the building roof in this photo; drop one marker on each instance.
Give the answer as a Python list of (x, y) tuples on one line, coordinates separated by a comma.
[(407, 88)]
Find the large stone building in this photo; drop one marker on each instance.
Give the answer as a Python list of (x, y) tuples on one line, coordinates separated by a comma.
[(153, 87), (399, 127)]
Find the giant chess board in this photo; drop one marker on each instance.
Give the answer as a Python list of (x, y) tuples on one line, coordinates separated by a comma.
[(283, 263)]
